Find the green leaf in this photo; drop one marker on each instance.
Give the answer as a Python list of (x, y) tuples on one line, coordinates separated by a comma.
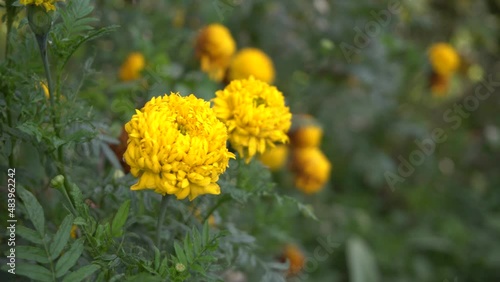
[(69, 259), (76, 197), (361, 263), (157, 258), (34, 210), (61, 238), (33, 271), (82, 273), (120, 219), (79, 221), (28, 234), (31, 129), (180, 253), (188, 248), (32, 253)]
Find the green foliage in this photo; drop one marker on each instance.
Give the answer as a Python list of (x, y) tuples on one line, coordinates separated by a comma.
[(52, 255)]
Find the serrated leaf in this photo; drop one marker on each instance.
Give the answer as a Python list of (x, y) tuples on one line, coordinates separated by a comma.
[(76, 197), (61, 238), (82, 273), (187, 249), (156, 262), (34, 210), (180, 253), (198, 269), (28, 234), (32, 253), (162, 270), (120, 219), (69, 258), (79, 221), (196, 241), (33, 271), (31, 129)]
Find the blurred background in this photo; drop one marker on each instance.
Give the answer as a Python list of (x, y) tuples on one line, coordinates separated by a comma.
[(413, 193)]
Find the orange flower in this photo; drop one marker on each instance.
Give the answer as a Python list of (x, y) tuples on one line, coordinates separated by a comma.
[(296, 257)]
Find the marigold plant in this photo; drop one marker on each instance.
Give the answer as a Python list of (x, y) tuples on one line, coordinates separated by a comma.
[(251, 62), (177, 146), (214, 48), (255, 114)]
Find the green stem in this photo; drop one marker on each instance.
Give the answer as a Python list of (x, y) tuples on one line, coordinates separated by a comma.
[(221, 200), (161, 219), (10, 20), (11, 11)]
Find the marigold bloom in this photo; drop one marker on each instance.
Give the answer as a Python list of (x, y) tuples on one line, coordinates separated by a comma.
[(275, 158), (177, 146), (255, 115), (251, 62), (132, 67), (296, 258), (306, 136), (214, 48), (47, 4), (311, 169), (444, 59)]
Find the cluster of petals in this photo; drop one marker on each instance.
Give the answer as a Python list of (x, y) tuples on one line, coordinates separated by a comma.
[(255, 115), (177, 146)]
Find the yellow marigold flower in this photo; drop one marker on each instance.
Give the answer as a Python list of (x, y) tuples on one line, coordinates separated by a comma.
[(47, 4), (306, 136), (251, 62), (74, 231), (444, 59), (275, 158), (296, 257), (214, 48), (132, 67), (255, 115), (176, 145), (311, 169)]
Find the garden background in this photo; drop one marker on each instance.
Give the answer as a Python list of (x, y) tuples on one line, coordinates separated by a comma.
[(412, 194)]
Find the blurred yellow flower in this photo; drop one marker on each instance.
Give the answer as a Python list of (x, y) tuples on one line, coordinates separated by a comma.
[(177, 146), (251, 62), (74, 231), (255, 115), (132, 67), (311, 169), (444, 59), (214, 48), (47, 4), (296, 257), (45, 89), (275, 158), (306, 136)]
